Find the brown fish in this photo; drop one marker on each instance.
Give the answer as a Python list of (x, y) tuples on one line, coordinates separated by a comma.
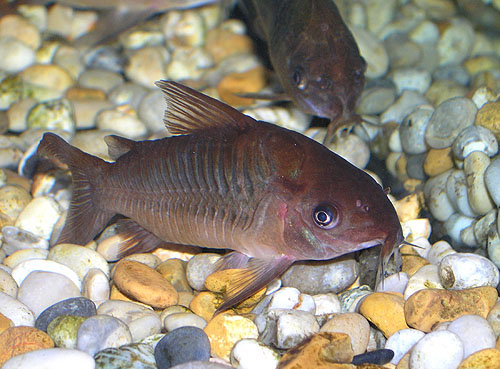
[(313, 53), (227, 181)]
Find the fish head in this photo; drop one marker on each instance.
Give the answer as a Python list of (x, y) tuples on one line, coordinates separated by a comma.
[(340, 209)]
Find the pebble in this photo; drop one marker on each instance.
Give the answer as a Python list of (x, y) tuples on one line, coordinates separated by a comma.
[(78, 306), (174, 271), (147, 65), (314, 277), (10, 26), (39, 216), (121, 122), (377, 357), (95, 285), (491, 178), (102, 331), (141, 320), (151, 110), (133, 356), (439, 251), (15, 55), (63, 329), (13, 200), (351, 298), (326, 304), (21, 271), (412, 130), (177, 320), (385, 310), (487, 117), (402, 341), (443, 344), (188, 63), (375, 100), (494, 318), (448, 120), (292, 298), (49, 76), (231, 85), (352, 324), (199, 268), (16, 239), (484, 359), (425, 309), (248, 353), (5, 323), (475, 164), (466, 270), (85, 112), (144, 284), (16, 311), (101, 79), (78, 258), (456, 190), (318, 351), (54, 358), (438, 161), (7, 284), (373, 52), (411, 79), (475, 138), (403, 106), (205, 304), (284, 328), (19, 340), (475, 332), (455, 43), (182, 345)]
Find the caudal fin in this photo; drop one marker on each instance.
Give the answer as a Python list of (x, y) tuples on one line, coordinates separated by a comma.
[(85, 218)]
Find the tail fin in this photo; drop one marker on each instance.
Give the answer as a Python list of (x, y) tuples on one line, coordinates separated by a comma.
[(85, 218)]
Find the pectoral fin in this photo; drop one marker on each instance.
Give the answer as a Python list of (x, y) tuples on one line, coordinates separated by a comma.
[(257, 274)]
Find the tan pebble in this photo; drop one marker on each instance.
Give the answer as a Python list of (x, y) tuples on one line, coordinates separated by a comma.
[(225, 329), (481, 63), (438, 161), (15, 179), (5, 323), (12, 24), (18, 340), (144, 284), (413, 184), (385, 310), (322, 350), (489, 117), (174, 271), (404, 363), (222, 43), (185, 298), (475, 164), (409, 206), (352, 324), (233, 84), (425, 309), (48, 75), (5, 220), (85, 93), (484, 359), (401, 167), (205, 303), (411, 261)]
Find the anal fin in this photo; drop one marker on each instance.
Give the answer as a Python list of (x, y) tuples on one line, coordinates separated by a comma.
[(257, 274)]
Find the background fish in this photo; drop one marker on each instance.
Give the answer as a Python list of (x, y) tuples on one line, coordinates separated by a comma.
[(227, 181), (313, 53)]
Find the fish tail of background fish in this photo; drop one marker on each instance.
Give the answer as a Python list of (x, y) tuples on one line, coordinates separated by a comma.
[(85, 219)]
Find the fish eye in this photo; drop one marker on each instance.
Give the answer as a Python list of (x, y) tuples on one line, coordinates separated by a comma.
[(325, 216), (298, 78)]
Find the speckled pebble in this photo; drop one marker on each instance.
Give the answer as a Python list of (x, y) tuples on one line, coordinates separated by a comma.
[(78, 306), (182, 345), (475, 332), (16, 311), (248, 353), (16, 239), (19, 340), (63, 329), (443, 344), (7, 284), (352, 324), (131, 356), (484, 359), (174, 271), (54, 358), (402, 341), (466, 270), (487, 117), (102, 331)]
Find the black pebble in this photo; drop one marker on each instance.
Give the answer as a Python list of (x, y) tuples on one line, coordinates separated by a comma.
[(379, 357), (79, 306), (182, 345)]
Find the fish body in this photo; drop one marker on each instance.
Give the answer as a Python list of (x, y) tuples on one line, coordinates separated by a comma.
[(313, 53), (227, 181)]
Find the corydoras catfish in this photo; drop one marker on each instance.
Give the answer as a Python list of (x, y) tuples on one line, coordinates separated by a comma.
[(227, 181), (313, 54)]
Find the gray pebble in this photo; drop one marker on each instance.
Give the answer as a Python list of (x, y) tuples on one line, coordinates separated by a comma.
[(100, 332), (79, 306), (412, 130), (449, 119), (101, 79), (492, 179), (375, 100), (475, 138), (199, 268), (151, 111), (415, 166)]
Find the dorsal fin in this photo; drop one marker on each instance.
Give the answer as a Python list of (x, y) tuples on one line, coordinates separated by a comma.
[(118, 146), (190, 111)]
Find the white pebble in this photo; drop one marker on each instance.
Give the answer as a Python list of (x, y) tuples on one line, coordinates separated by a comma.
[(7, 284), (411, 79), (465, 270), (394, 283), (80, 259), (456, 190), (426, 277), (291, 298), (186, 319), (19, 256), (492, 178), (438, 251), (121, 122), (16, 311), (475, 164), (15, 55), (95, 285), (22, 270), (402, 341), (17, 239), (249, 353), (53, 358), (328, 303), (455, 224), (475, 332), (39, 216), (416, 228), (437, 350)]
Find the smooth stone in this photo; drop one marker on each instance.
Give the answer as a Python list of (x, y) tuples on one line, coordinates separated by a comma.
[(186, 28), (100, 332), (13, 199), (492, 178), (373, 51), (475, 332), (19, 340), (292, 298), (487, 117), (131, 356), (494, 318), (19, 256), (17, 113), (394, 283), (351, 298), (444, 345), (314, 277), (403, 106), (151, 111), (174, 271), (456, 190), (188, 63), (178, 320), (17, 239), (293, 119), (23, 29), (284, 328), (455, 43), (475, 164), (182, 345), (375, 100), (5, 323), (352, 324), (199, 268), (249, 353), (326, 303), (412, 129), (78, 258), (86, 112), (448, 120), (385, 310), (411, 79), (425, 309), (39, 216), (475, 138), (7, 284), (455, 224), (141, 320), (377, 357), (128, 93), (40, 290), (53, 358), (144, 284), (467, 270), (402, 341), (319, 351), (205, 304), (353, 149), (92, 141), (64, 330), (52, 114), (100, 79), (16, 311), (438, 161), (124, 123), (439, 251), (151, 260), (484, 359), (78, 306), (482, 226), (95, 285), (21, 271), (49, 76), (426, 277)]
